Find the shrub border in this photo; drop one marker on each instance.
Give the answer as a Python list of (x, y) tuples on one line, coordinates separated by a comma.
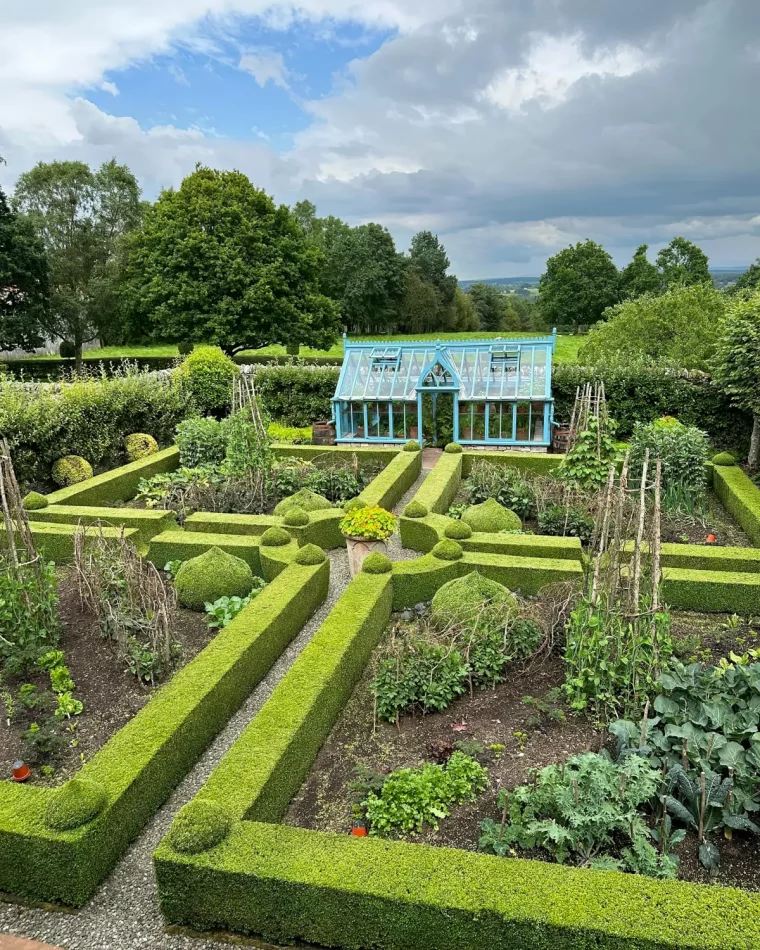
[(740, 496), (143, 761), (289, 884)]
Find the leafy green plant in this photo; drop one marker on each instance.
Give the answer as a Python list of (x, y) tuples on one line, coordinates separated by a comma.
[(224, 610), (587, 464), (201, 441), (372, 523), (28, 614), (44, 741), (566, 521), (67, 706), (60, 680), (420, 675), (171, 568), (411, 798), (581, 810), (505, 483), (683, 450)]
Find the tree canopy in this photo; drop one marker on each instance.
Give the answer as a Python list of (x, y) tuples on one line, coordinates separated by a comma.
[(749, 281), (641, 276), (216, 261), (682, 262), (578, 285), (679, 327), (81, 216)]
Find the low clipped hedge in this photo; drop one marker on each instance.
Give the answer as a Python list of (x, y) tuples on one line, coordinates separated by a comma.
[(55, 542), (147, 523), (389, 487), (440, 487), (740, 496), (288, 884), (120, 484), (140, 764), (538, 463), (711, 591)]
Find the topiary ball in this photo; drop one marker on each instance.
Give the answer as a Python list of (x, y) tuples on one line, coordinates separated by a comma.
[(207, 375), (185, 348), (415, 509), (465, 599), (377, 563), (199, 826), (74, 804), (453, 448), (34, 501), (724, 459), (70, 470), (306, 499), (67, 350), (140, 445), (447, 550), (211, 575), (492, 517), (274, 537), (458, 531), (412, 446), (310, 555), (296, 518)]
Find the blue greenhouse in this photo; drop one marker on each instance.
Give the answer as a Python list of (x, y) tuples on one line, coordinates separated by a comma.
[(477, 392)]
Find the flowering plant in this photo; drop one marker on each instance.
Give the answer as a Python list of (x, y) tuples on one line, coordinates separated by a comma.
[(374, 524)]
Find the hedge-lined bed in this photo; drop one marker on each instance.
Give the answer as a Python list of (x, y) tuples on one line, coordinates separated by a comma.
[(740, 496), (290, 884), (129, 778)]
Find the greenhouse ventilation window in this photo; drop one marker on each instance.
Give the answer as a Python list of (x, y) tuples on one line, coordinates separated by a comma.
[(477, 392)]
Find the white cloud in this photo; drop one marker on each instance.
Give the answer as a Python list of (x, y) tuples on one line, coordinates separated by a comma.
[(110, 87), (265, 65)]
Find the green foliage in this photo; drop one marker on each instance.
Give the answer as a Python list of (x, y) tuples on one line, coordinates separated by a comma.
[(411, 446), (447, 550), (289, 435), (587, 464), (490, 516), (207, 376), (199, 826), (201, 441), (749, 281), (566, 521), (25, 279), (640, 276), (275, 537), (139, 445), (71, 470), (214, 574), (418, 674), (334, 482), (683, 450), (29, 623), (217, 262), (458, 531), (75, 804), (415, 510), (34, 501), (473, 600), (305, 499), (225, 609), (504, 483), (372, 523), (377, 563), (612, 660), (582, 810), (296, 517), (453, 448), (737, 361), (67, 350), (297, 395), (578, 285), (682, 262), (678, 327), (310, 555), (724, 458), (412, 798)]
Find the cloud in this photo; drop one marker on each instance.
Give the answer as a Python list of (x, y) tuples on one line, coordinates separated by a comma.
[(265, 65), (110, 87)]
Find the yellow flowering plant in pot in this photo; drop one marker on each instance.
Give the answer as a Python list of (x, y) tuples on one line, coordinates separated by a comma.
[(366, 531)]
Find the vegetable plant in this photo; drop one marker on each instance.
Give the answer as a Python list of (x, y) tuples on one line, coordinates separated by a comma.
[(225, 609)]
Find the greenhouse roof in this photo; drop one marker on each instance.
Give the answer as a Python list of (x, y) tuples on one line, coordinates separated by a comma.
[(494, 370)]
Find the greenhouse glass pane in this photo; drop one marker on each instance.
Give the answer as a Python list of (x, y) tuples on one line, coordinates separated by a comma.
[(539, 373)]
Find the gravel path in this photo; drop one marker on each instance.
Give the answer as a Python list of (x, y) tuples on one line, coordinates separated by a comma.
[(395, 551), (124, 914)]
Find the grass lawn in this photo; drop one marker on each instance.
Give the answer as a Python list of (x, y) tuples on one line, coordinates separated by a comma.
[(567, 346)]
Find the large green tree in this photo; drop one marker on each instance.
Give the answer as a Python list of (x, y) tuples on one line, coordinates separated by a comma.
[(428, 259), (641, 276), (736, 367), (749, 281), (420, 307), (489, 306), (24, 282), (578, 285), (679, 327), (682, 262), (216, 261), (81, 216)]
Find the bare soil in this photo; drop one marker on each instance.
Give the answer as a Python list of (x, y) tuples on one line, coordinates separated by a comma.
[(110, 693)]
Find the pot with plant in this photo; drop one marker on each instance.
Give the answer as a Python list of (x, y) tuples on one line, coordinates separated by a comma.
[(366, 531)]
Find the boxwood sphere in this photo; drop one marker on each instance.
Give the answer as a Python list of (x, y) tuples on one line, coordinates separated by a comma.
[(275, 537), (211, 575), (412, 446), (310, 554), (724, 459), (453, 448), (377, 563), (70, 470), (75, 804), (296, 518), (447, 550), (492, 517), (199, 826), (140, 445), (458, 531), (415, 509), (34, 501)]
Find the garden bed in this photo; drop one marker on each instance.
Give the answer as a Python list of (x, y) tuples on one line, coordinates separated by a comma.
[(111, 695)]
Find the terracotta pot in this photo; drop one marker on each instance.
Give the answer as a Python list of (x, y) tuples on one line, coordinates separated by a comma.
[(361, 548), (359, 830), (20, 771), (711, 539), (413, 432), (466, 433)]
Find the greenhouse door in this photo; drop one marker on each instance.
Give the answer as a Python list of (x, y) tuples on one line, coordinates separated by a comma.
[(437, 411)]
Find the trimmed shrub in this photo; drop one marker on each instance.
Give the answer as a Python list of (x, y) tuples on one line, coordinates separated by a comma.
[(34, 501), (201, 441), (412, 446), (140, 445), (492, 517), (71, 470), (275, 537), (310, 555), (211, 575), (207, 376), (459, 601), (458, 531), (75, 804), (199, 826), (67, 350), (415, 510), (297, 395), (453, 448), (305, 499), (447, 550), (377, 563), (353, 503), (296, 517), (185, 348), (723, 458)]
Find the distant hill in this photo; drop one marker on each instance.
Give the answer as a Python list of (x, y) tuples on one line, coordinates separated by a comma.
[(519, 281)]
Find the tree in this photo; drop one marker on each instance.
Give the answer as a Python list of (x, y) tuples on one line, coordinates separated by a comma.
[(420, 306), (736, 367), (216, 261), (428, 259), (640, 276), (679, 327), (682, 262), (488, 304), (579, 283), (463, 316), (24, 282), (81, 216), (749, 281)]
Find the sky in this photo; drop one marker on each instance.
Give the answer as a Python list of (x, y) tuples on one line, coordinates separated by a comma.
[(511, 128)]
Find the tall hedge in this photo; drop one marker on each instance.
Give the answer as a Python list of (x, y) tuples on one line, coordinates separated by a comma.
[(297, 395)]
